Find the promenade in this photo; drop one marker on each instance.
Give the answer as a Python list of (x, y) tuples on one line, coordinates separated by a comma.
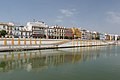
[(17, 44)]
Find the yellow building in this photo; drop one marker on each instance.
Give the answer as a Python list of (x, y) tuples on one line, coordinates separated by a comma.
[(76, 32)]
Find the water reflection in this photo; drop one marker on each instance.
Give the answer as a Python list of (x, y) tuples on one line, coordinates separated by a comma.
[(42, 59)]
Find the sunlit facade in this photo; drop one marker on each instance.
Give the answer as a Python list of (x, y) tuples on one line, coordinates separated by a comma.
[(8, 27), (38, 29), (77, 32)]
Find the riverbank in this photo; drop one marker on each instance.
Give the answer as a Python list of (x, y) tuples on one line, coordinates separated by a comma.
[(40, 44)]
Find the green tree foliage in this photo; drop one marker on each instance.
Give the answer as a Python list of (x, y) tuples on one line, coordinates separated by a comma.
[(118, 38), (66, 37), (97, 38), (3, 33)]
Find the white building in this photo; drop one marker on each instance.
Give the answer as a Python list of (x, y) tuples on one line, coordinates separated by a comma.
[(17, 31), (102, 36), (38, 29), (116, 37), (84, 34), (25, 33), (8, 27), (57, 32)]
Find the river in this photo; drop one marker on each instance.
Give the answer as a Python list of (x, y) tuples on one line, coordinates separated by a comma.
[(86, 63)]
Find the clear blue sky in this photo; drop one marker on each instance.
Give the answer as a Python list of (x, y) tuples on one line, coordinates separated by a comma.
[(98, 15)]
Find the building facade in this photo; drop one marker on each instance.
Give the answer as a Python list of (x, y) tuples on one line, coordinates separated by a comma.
[(26, 34), (50, 32), (8, 27), (95, 35), (57, 32), (102, 36), (76, 32), (17, 31), (107, 37), (69, 33), (38, 29)]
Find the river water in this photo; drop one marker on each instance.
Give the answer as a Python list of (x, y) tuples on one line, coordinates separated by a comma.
[(87, 63)]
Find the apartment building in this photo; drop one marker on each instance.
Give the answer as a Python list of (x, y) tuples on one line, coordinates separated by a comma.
[(17, 31), (57, 32), (38, 29), (8, 27)]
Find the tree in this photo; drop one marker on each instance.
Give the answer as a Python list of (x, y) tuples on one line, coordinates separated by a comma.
[(3, 33), (71, 37), (97, 38), (66, 37), (44, 36), (118, 39)]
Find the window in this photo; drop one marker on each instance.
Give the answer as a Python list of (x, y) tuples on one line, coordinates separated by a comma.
[(3, 27)]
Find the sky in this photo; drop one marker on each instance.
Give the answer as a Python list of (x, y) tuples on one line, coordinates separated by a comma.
[(95, 15)]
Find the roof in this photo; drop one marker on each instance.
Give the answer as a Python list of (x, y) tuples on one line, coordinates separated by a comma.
[(6, 24)]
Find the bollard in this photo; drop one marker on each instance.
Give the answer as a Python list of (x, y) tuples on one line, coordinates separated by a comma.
[(88, 42), (24, 41), (77, 42), (73, 42), (18, 41), (40, 41), (84, 42), (35, 42), (80, 42), (5, 42), (19, 56), (30, 41), (94, 42), (100, 42), (12, 41)]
